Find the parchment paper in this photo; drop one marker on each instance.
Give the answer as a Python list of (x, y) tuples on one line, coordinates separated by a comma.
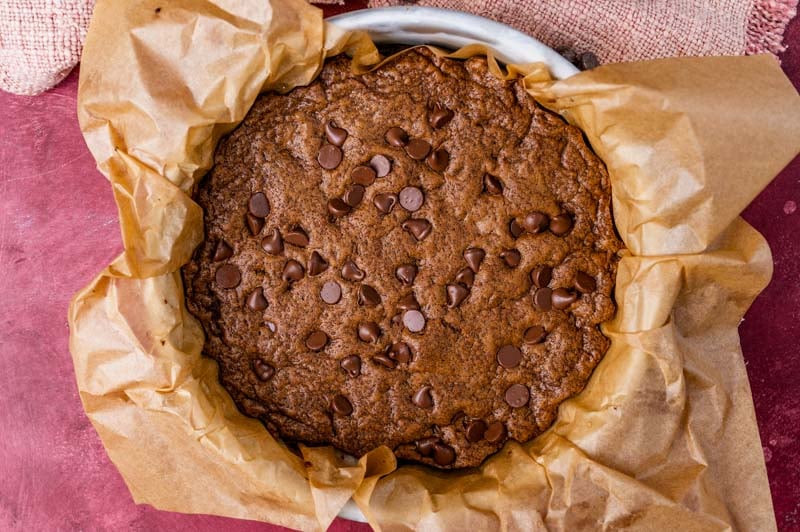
[(663, 437)]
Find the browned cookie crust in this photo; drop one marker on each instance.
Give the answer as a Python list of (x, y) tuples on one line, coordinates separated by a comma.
[(435, 288)]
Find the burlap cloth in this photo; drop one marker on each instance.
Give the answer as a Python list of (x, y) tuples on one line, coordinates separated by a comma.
[(41, 40)]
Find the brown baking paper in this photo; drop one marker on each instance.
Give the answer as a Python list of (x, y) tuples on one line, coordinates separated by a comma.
[(662, 438)]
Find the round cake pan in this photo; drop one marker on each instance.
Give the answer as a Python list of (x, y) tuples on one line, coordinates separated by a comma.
[(448, 29)]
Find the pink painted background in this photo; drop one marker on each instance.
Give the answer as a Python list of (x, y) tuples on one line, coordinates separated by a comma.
[(58, 228)]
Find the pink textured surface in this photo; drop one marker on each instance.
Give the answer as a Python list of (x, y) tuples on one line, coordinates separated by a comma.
[(58, 227)]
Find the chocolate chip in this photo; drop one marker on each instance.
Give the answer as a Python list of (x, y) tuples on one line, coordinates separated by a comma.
[(317, 340), (534, 335), (297, 236), (223, 251), (351, 272), (256, 300), (406, 273), (438, 160), (331, 292), (517, 395), (316, 264), (341, 405), (515, 229), (588, 61), (563, 298), (535, 222), (492, 185), (466, 277), (585, 282), (228, 276), (352, 365), (254, 224), (408, 302), (541, 276), (561, 224), (456, 293), (381, 164), (474, 258), (273, 243), (400, 351), (385, 202), (396, 136), (363, 175), (337, 207), (368, 332), (495, 432), (457, 416), (271, 326), (443, 454), (411, 199), (368, 296), (353, 195), (425, 445), (511, 257), (384, 360), (335, 135), (293, 271), (475, 430), (423, 397), (258, 205), (414, 320), (418, 227), (542, 299), (418, 149), (439, 116), (263, 371), (329, 156), (509, 356)]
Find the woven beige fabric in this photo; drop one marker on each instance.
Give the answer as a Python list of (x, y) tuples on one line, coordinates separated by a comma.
[(631, 30), (40, 42)]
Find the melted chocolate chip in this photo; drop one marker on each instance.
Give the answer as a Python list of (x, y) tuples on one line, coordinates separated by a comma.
[(419, 228), (517, 395), (381, 164), (352, 365), (541, 276), (438, 160), (368, 332), (297, 236), (535, 222), (262, 370), (534, 335), (406, 273), (561, 224), (563, 298), (335, 135), (384, 360), (331, 292), (363, 175), (254, 224), (385, 202), (509, 356), (353, 195), (293, 271), (495, 432), (329, 156), (585, 282), (492, 185), (351, 271), (542, 299), (423, 397), (223, 251), (408, 302), (316, 264), (411, 199), (425, 445), (456, 293), (439, 116), (418, 149), (273, 242), (228, 276), (317, 340), (396, 136), (474, 258), (475, 430), (466, 277), (337, 207), (443, 454), (368, 296), (256, 300), (258, 205), (400, 352), (511, 257), (515, 229), (341, 405)]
